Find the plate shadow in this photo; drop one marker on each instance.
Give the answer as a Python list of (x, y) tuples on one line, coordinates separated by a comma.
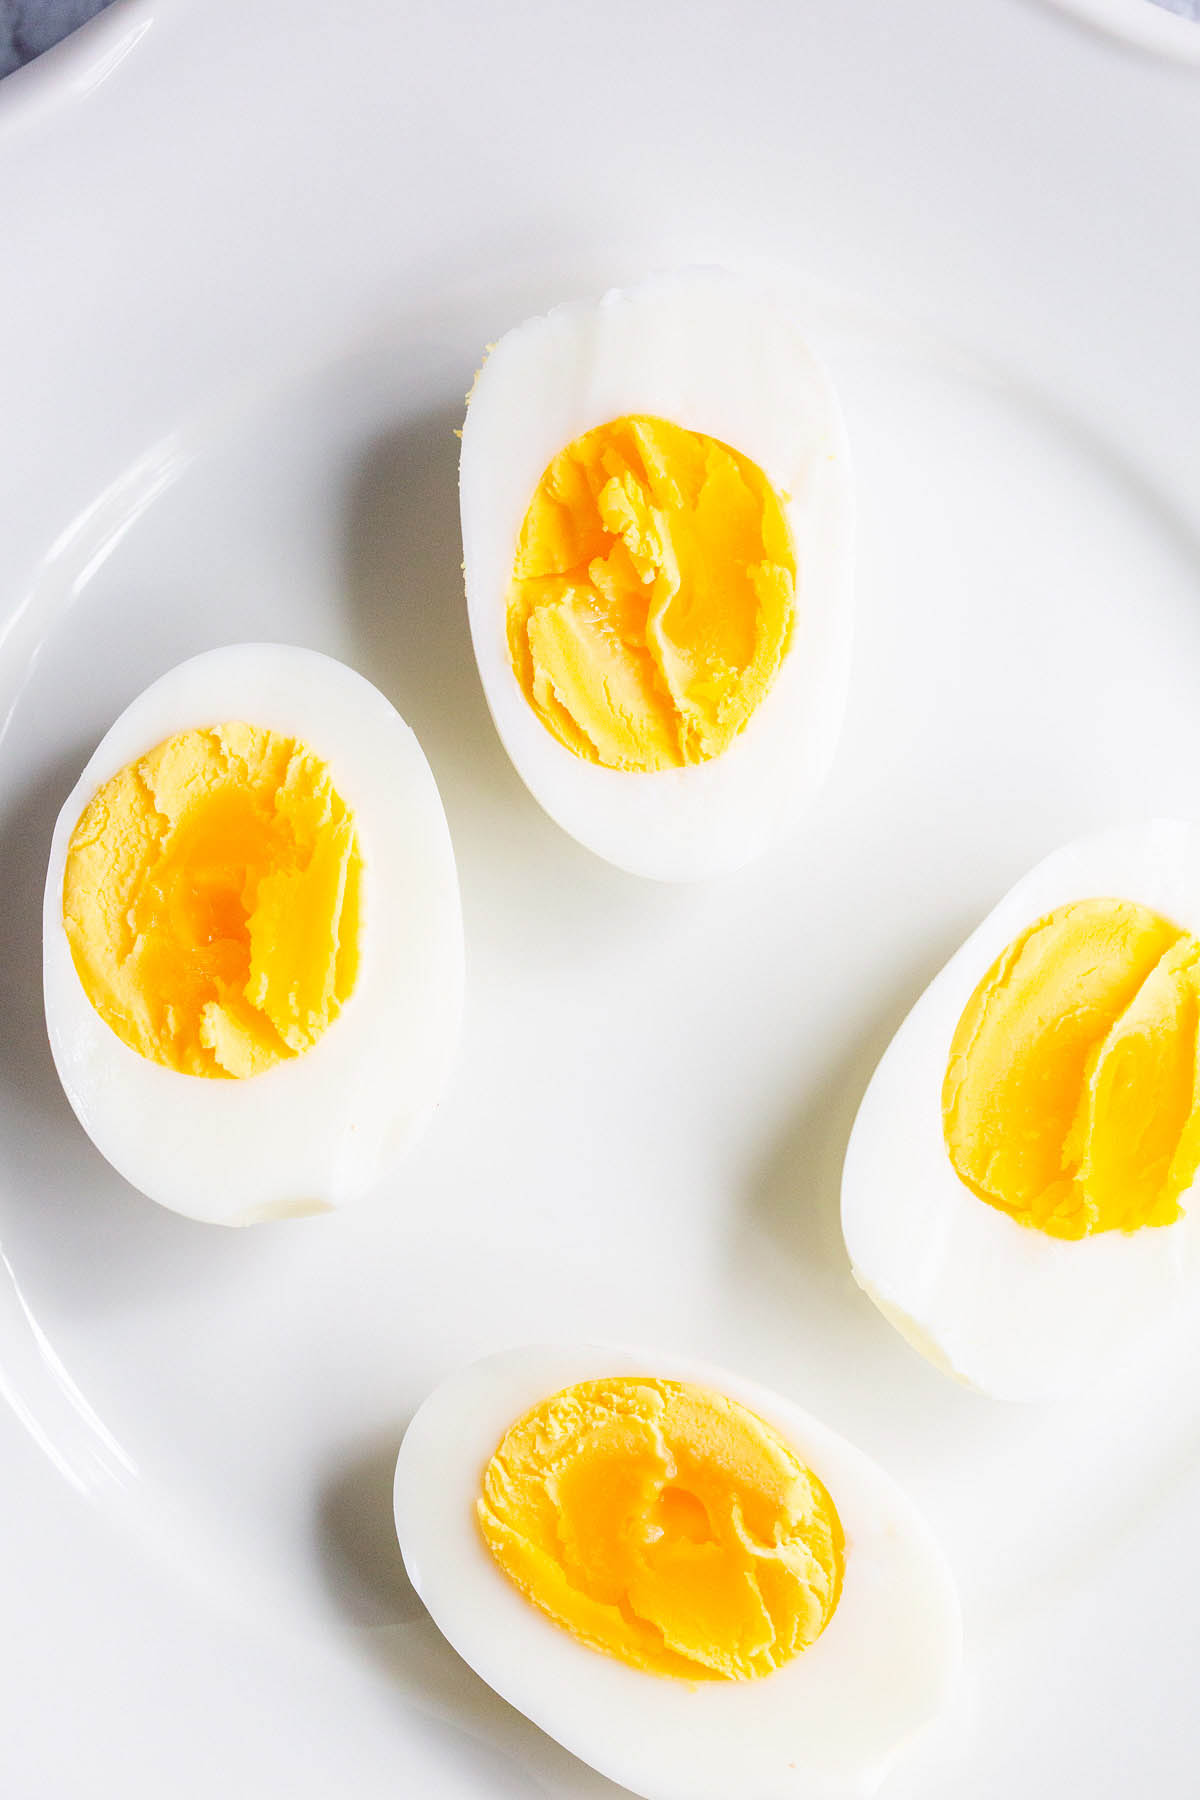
[(402, 574), (370, 1588)]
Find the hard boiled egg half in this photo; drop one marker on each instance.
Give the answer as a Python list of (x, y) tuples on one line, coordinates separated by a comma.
[(684, 1579), (1018, 1190), (656, 518), (253, 952)]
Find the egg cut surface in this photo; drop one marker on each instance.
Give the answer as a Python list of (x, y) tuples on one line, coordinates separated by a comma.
[(252, 940), (1017, 1191), (656, 516), (686, 1580)]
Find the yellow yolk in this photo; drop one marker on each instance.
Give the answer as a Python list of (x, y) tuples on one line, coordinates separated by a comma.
[(653, 595), (1072, 1093), (212, 900), (666, 1526)]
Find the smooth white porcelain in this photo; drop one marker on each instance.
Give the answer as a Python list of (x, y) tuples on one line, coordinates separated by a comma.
[(260, 251)]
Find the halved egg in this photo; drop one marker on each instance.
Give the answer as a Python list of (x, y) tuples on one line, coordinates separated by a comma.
[(1017, 1192), (656, 517), (253, 960), (685, 1579)]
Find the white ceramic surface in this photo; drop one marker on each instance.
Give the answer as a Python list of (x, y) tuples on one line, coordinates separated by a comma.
[(260, 249)]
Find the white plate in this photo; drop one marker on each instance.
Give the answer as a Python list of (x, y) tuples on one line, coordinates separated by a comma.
[(260, 251)]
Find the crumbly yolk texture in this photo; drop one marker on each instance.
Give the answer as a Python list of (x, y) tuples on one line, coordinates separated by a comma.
[(653, 595), (666, 1526), (1072, 1093), (212, 899)]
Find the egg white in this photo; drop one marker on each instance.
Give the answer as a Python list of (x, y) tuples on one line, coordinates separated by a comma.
[(703, 350), (829, 1723), (318, 1130), (1006, 1308)]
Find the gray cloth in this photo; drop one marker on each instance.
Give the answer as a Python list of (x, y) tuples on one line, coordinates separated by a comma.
[(27, 27)]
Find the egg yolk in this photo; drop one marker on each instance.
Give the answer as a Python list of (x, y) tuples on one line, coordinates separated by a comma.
[(212, 900), (652, 597), (665, 1526), (1072, 1093)]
